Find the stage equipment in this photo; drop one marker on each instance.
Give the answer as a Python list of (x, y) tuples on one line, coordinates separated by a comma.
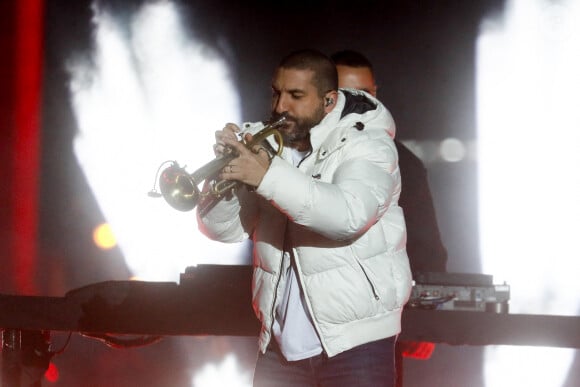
[(180, 188), (217, 300), (459, 291)]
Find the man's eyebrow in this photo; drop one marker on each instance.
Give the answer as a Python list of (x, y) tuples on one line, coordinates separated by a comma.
[(296, 91), (289, 91)]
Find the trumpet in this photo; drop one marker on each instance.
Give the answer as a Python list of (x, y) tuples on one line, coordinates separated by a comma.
[(180, 188)]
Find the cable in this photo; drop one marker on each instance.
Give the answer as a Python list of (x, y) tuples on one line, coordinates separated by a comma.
[(65, 345), (120, 343)]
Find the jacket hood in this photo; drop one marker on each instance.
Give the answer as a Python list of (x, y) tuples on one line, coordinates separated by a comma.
[(353, 108)]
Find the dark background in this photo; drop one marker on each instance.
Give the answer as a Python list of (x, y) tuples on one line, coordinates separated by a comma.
[(424, 58)]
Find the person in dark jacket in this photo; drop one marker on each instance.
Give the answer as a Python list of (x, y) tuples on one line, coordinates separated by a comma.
[(425, 249)]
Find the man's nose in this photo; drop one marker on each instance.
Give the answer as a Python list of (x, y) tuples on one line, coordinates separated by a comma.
[(281, 105)]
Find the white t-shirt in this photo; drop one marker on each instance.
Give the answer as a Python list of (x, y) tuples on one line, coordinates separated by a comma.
[(293, 328)]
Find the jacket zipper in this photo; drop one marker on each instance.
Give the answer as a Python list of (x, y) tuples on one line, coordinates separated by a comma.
[(303, 292), (371, 284), (299, 276), (275, 299), (304, 158)]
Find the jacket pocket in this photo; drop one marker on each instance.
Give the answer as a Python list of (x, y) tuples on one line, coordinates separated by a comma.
[(388, 280), (370, 281)]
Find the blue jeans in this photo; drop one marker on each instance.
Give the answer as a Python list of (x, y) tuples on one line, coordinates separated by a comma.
[(368, 365)]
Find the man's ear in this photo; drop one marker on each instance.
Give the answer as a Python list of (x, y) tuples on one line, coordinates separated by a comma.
[(330, 100)]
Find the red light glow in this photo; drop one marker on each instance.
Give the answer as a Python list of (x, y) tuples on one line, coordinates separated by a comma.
[(51, 374)]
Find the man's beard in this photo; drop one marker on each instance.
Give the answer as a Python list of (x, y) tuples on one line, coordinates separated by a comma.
[(296, 129)]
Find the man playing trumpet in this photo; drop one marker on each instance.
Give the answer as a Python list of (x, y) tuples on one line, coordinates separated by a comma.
[(331, 273)]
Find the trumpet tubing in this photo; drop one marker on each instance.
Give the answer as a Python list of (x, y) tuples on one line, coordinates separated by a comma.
[(180, 189)]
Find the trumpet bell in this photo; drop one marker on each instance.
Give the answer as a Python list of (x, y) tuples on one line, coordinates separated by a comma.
[(178, 188)]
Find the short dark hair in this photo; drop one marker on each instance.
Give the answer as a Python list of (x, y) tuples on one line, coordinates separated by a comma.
[(325, 75), (351, 58)]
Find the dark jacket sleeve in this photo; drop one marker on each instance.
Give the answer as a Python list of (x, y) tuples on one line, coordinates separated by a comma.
[(424, 246)]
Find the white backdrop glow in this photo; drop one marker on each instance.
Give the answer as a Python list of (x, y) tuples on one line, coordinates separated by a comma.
[(150, 92), (145, 96), (528, 121)]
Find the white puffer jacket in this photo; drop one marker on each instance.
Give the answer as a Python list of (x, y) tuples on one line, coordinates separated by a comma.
[(339, 211)]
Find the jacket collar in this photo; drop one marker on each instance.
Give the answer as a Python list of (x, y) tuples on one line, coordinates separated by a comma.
[(353, 108)]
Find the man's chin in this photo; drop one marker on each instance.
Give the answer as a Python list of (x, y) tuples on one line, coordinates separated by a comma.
[(288, 129)]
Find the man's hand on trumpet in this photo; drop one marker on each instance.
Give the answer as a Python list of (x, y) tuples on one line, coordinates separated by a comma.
[(230, 131), (251, 164)]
